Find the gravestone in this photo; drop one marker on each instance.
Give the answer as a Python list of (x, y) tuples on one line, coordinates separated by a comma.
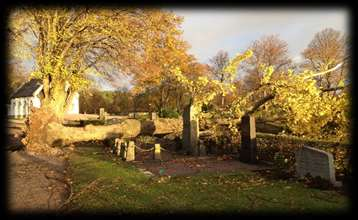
[(316, 163), (123, 150), (153, 116), (102, 115), (118, 144), (202, 148), (190, 131), (234, 148), (248, 149), (130, 151), (157, 155)]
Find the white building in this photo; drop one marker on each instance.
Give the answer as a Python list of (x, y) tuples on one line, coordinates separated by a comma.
[(31, 94)]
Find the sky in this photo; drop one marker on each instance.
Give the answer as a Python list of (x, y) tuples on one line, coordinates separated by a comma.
[(232, 30)]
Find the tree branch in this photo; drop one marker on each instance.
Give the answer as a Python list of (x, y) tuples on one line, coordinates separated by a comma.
[(260, 103), (333, 89)]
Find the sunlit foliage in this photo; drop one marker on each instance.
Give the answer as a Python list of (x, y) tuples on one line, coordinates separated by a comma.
[(68, 44), (295, 100)]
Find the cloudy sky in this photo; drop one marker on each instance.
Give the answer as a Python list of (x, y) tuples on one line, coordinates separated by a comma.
[(232, 30), (209, 30)]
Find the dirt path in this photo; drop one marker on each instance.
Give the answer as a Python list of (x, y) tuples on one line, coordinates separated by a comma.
[(35, 184)]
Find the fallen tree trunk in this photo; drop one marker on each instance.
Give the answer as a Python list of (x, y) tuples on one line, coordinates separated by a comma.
[(161, 126), (59, 135), (44, 131)]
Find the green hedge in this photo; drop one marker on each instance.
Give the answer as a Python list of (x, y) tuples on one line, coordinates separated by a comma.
[(280, 150), (169, 113)]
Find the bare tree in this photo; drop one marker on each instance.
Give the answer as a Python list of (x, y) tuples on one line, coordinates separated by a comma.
[(327, 49), (218, 62), (269, 50)]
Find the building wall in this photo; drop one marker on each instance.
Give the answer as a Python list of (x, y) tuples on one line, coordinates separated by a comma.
[(20, 107), (36, 102)]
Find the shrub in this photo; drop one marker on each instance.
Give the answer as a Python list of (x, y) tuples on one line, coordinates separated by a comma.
[(284, 149), (168, 113)]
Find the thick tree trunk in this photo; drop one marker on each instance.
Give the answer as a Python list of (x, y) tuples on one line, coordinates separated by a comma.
[(45, 132), (222, 100), (59, 135), (36, 130), (51, 112)]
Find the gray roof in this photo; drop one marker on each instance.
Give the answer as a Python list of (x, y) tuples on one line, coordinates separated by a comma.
[(27, 89)]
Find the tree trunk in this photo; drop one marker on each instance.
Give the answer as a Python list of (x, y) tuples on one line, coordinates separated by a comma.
[(36, 130), (222, 100), (59, 135), (51, 112)]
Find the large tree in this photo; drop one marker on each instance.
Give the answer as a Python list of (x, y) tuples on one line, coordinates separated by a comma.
[(217, 64), (70, 44), (327, 49), (269, 50), (152, 84)]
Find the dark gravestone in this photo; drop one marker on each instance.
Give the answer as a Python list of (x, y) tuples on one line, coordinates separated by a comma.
[(123, 150), (117, 146), (190, 131), (248, 149), (202, 148)]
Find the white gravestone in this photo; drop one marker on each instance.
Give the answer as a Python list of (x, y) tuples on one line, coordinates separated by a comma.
[(102, 114), (130, 151), (157, 155), (153, 115), (315, 162)]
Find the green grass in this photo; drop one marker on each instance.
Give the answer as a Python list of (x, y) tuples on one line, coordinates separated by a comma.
[(103, 183)]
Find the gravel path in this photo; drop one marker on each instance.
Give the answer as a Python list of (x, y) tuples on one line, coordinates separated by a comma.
[(35, 184)]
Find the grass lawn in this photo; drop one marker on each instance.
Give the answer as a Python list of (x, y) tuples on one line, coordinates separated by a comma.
[(104, 183)]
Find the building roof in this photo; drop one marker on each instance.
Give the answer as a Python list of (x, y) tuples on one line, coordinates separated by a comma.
[(27, 89)]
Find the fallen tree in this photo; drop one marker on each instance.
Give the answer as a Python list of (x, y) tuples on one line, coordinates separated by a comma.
[(162, 126), (49, 132)]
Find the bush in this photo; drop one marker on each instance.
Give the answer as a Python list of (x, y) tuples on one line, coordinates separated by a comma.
[(281, 152), (168, 113), (317, 182)]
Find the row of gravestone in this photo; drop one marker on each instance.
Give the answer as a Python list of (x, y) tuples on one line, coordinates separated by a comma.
[(308, 160), (126, 150)]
